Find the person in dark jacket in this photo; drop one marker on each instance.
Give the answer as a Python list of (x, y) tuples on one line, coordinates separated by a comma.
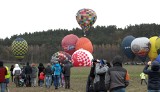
[(67, 72), (48, 75), (34, 75), (40, 69), (11, 72), (3, 72), (117, 78), (153, 76), (28, 72)]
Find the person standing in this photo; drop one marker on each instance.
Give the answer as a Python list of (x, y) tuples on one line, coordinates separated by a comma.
[(48, 75), (7, 77), (153, 76), (11, 70), (117, 78), (41, 79), (40, 69), (67, 72), (3, 72), (33, 75), (57, 71), (28, 72), (17, 72), (143, 78)]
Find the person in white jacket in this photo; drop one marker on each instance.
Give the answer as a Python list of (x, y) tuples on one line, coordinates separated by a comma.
[(16, 72)]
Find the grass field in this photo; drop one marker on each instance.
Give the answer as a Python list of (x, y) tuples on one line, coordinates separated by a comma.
[(79, 77)]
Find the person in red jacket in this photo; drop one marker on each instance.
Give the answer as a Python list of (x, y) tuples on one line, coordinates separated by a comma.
[(41, 79), (3, 72)]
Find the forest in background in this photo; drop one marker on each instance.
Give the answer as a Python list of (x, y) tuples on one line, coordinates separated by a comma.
[(106, 41)]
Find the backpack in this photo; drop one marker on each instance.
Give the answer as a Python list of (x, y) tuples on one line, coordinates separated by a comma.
[(17, 72)]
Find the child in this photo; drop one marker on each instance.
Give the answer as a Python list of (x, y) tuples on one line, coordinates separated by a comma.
[(143, 78), (41, 79)]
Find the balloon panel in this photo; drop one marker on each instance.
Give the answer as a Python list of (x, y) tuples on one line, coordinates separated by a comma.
[(153, 52), (68, 43), (86, 18), (126, 47), (158, 58), (84, 43), (60, 56), (19, 48), (82, 57), (157, 45), (140, 46)]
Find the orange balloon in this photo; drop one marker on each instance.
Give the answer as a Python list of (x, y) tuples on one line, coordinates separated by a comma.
[(84, 43)]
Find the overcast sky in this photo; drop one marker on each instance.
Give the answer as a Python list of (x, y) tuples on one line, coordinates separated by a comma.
[(20, 16)]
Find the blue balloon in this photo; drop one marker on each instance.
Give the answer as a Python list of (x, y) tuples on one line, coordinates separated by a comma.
[(126, 47), (158, 58)]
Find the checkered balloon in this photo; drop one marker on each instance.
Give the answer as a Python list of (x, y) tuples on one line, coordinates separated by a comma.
[(82, 57), (86, 18), (19, 48)]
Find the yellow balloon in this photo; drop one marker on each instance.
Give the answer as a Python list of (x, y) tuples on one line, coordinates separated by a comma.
[(158, 45), (153, 52)]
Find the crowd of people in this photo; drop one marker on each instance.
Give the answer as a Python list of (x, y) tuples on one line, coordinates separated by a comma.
[(56, 74)]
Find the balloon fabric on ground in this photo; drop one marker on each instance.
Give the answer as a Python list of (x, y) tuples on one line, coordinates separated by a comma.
[(140, 47), (153, 52), (126, 47), (19, 48), (157, 45), (86, 18), (81, 58), (60, 56), (84, 43), (69, 42)]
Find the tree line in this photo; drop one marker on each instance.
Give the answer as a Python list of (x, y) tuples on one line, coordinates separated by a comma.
[(106, 41)]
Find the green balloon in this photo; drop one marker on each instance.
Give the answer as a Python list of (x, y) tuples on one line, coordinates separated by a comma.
[(19, 48)]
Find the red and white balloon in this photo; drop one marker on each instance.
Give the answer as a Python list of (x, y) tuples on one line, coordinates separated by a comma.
[(82, 57)]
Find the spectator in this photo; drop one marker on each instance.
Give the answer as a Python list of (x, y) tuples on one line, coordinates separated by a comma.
[(16, 72), (40, 69), (3, 72), (117, 78), (41, 79), (153, 76), (48, 75), (67, 72), (28, 72), (11, 70), (33, 75), (143, 78), (7, 77)]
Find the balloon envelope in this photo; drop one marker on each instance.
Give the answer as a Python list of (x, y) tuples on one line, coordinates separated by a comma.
[(84, 43), (19, 48), (140, 47), (60, 56), (69, 42), (157, 45), (153, 52), (126, 47), (82, 57), (86, 18)]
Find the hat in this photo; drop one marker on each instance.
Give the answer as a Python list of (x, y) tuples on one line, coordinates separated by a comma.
[(155, 66), (117, 60)]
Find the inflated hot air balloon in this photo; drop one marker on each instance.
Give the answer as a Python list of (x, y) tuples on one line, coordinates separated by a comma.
[(84, 43), (86, 18), (153, 52), (82, 57), (157, 45), (126, 46), (19, 48), (140, 47), (69, 42), (60, 56)]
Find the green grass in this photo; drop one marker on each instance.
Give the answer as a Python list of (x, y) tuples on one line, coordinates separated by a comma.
[(79, 77)]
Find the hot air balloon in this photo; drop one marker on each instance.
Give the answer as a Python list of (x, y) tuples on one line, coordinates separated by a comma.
[(86, 18), (69, 42), (84, 43), (19, 48), (82, 57), (126, 46), (60, 56), (153, 52), (157, 45), (140, 47)]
